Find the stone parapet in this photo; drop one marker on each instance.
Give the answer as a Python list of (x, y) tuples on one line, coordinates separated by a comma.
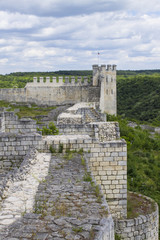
[(142, 227), (60, 81)]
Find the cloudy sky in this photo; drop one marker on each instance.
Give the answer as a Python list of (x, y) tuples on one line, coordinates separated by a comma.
[(50, 35)]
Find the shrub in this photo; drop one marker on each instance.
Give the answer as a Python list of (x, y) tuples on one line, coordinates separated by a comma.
[(51, 130)]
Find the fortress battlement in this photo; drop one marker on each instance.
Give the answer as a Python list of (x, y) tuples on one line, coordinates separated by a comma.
[(61, 90), (60, 81)]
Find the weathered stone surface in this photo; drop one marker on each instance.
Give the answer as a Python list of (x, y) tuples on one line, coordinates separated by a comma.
[(66, 206)]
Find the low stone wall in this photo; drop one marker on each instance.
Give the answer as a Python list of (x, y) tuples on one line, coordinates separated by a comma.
[(76, 129), (13, 148), (143, 227), (69, 118), (15, 125), (107, 161)]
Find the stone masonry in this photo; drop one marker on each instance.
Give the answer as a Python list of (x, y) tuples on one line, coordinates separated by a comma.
[(56, 196)]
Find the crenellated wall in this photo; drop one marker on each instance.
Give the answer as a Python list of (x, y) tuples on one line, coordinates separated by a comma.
[(70, 90), (61, 81)]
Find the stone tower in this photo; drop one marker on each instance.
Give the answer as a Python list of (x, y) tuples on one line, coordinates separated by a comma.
[(106, 79)]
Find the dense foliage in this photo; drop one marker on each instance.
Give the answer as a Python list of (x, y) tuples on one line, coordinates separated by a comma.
[(138, 97), (20, 79)]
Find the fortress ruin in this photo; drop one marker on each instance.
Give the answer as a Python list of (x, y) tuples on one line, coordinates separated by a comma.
[(44, 193)]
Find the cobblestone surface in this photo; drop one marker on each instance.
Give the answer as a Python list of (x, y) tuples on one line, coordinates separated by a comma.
[(66, 206)]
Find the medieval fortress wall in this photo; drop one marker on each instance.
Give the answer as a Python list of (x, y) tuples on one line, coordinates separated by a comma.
[(80, 127), (44, 92)]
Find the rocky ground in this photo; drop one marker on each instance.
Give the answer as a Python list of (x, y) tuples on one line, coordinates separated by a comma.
[(67, 205)]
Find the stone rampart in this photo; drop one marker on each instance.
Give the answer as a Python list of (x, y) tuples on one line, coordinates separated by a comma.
[(107, 161), (142, 227), (22, 188), (51, 96)]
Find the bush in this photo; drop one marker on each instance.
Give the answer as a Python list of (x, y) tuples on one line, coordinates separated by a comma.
[(51, 130)]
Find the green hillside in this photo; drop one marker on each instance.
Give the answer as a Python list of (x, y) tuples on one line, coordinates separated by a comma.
[(138, 97)]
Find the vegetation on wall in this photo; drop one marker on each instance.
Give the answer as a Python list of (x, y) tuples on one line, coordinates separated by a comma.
[(28, 110), (50, 130)]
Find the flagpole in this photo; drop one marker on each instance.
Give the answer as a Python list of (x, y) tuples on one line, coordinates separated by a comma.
[(98, 58)]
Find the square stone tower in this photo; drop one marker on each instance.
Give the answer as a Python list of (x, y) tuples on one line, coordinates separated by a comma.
[(106, 79)]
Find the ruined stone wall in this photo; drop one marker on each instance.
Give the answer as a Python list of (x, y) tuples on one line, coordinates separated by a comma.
[(76, 129), (106, 131), (15, 125), (142, 227), (69, 118), (13, 148)]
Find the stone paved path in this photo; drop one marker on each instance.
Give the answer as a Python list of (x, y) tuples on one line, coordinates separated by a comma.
[(66, 206)]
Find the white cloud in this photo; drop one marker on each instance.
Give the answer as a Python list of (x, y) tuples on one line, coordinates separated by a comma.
[(68, 34), (16, 21)]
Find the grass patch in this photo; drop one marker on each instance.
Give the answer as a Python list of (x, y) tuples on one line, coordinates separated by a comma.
[(77, 229), (138, 205), (117, 237), (87, 177)]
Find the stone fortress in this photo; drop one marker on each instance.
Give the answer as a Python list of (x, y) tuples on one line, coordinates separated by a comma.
[(102, 89), (28, 168)]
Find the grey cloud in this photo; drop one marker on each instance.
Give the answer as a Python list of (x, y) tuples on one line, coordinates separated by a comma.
[(61, 8)]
